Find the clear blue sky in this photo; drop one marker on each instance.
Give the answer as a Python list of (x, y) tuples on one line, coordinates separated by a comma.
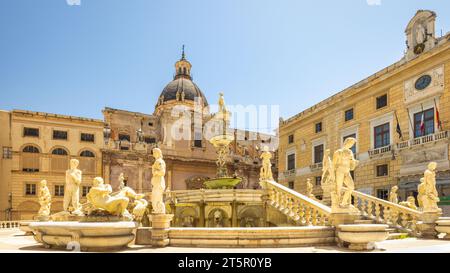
[(76, 60)]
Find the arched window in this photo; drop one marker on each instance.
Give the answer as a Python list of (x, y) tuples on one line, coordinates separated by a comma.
[(30, 149), (59, 151), (87, 153), (184, 70)]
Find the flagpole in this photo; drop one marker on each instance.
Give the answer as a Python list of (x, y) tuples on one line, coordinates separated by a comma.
[(411, 124)]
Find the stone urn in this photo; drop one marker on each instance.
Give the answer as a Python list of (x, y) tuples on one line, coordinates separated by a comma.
[(443, 226), (363, 236)]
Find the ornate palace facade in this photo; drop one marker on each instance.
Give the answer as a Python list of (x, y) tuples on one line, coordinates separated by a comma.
[(400, 117)]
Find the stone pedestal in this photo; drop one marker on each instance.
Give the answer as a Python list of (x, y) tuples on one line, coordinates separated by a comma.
[(427, 225), (160, 229), (344, 216)]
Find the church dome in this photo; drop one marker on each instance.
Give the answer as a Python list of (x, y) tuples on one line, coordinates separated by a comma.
[(182, 88)]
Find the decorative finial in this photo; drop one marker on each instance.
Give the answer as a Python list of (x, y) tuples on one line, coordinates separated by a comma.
[(182, 53)]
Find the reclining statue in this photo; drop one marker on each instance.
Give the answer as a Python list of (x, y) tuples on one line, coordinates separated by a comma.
[(100, 198)]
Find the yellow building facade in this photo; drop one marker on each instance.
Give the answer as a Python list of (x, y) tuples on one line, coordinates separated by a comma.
[(39, 146), (411, 97)]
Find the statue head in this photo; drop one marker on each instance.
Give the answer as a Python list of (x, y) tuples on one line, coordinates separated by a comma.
[(394, 189), (157, 153), (349, 142), (98, 181), (432, 166), (422, 180), (43, 183), (74, 163), (266, 148), (411, 199)]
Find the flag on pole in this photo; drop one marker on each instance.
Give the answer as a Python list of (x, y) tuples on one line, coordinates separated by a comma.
[(422, 123), (399, 130), (439, 123)]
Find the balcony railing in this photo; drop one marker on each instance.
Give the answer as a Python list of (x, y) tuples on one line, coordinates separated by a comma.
[(380, 151), (316, 166), (423, 140), (289, 173)]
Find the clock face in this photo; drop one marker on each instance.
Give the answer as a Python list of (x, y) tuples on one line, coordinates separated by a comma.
[(423, 82)]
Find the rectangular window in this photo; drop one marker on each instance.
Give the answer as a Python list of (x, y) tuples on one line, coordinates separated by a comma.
[(59, 190), (318, 127), (291, 139), (86, 190), (150, 140), (382, 194), (382, 170), (30, 189), (198, 139), (382, 135), (382, 101), (349, 114), (87, 137), (291, 185), (428, 123), (291, 162), (318, 153), (7, 153), (318, 180), (59, 135), (30, 132), (354, 146)]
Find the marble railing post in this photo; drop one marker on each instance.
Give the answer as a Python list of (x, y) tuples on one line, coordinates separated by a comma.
[(427, 224), (201, 220)]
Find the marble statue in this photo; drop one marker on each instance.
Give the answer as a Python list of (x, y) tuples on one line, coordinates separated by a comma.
[(327, 168), (309, 189), (139, 203), (121, 181), (72, 188), (266, 169), (218, 219), (45, 199), (158, 182), (393, 195), (140, 135), (328, 181), (344, 162), (178, 95), (421, 34), (409, 203), (183, 95), (99, 197), (222, 107), (428, 196)]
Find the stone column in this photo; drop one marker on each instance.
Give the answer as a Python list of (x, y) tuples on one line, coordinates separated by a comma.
[(140, 176), (234, 214), (201, 220), (160, 229)]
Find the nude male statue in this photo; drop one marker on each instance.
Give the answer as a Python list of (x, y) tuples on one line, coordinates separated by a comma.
[(344, 162), (72, 188)]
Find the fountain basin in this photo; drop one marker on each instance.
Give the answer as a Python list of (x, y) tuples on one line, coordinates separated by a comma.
[(362, 236), (221, 140), (222, 183), (84, 235)]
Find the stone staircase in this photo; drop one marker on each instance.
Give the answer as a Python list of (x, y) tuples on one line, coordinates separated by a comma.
[(394, 233)]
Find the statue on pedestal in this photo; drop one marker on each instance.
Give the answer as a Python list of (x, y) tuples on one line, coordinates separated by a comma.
[(409, 203), (222, 107), (428, 196), (121, 181), (266, 169), (421, 34), (72, 188), (344, 162), (328, 181), (309, 189), (158, 182), (45, 199), (393, 195), (99, 197)]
